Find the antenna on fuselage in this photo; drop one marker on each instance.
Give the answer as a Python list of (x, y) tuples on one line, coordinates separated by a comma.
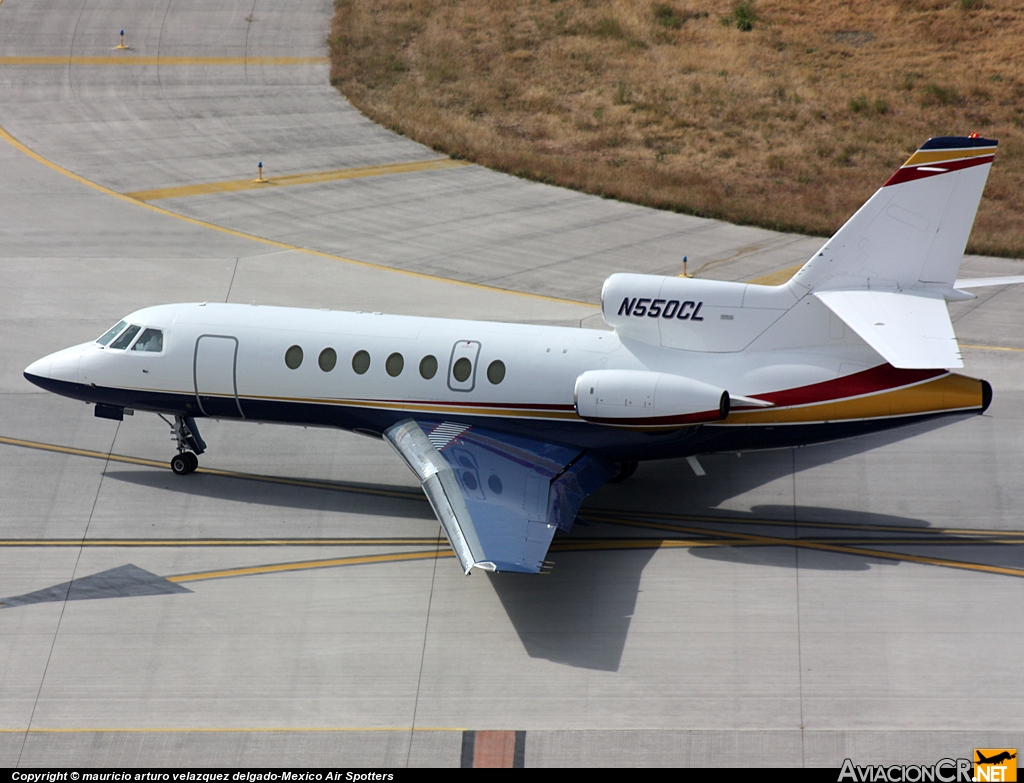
[(685, 273)]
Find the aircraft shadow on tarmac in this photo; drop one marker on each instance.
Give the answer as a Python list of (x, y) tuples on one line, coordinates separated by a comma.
[(357, 498), (579, 613)]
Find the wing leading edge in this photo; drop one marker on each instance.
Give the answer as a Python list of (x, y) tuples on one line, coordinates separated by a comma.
[(499, 497)]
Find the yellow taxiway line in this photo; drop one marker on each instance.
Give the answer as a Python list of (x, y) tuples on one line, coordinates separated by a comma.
[(4, 135), (182, 191), (846, 550), (212, 542), (135, 59), (777, 277), (308, 565), (620, 515), (111, 457), (210, 730), (614, 516), (990, 347)]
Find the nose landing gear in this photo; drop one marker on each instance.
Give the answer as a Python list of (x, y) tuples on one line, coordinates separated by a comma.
[(184, 463), (186, 437)]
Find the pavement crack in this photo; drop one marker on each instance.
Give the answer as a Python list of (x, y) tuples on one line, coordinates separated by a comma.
[(64, 604)]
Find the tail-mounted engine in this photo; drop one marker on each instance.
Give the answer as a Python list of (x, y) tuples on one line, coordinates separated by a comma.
[(639, 398)]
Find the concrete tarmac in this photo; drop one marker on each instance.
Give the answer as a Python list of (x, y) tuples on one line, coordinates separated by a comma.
[(293, 603)]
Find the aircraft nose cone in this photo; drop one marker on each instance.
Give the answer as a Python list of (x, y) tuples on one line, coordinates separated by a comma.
[(38, 369), (60, 366)]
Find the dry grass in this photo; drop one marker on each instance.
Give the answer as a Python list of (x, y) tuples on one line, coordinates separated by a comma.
[(790, 125)]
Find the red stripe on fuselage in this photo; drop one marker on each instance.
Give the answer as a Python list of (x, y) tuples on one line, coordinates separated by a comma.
[(880, 378), (909, 173)]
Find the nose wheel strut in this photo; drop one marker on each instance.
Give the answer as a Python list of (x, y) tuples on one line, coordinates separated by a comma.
[(189, 443)]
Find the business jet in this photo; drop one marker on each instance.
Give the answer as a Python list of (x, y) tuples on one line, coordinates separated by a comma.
[(509, 427)]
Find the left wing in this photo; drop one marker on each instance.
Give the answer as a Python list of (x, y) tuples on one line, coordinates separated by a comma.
[(499, 497)]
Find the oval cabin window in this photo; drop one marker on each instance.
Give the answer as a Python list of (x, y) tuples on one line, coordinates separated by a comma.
[(428, 367), (394, 365), (328, 359), (496, 371), (462, 369), (361, 362), (293, 357)]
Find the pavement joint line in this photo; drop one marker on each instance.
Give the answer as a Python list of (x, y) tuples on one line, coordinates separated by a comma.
[(357, 172), (135, 59), (273, 242)]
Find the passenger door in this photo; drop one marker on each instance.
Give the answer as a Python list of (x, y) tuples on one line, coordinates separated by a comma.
[(213, 371), (462, 367)]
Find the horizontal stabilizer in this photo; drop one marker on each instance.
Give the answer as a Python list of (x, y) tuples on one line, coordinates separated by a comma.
[(982, 282), (910, 331)]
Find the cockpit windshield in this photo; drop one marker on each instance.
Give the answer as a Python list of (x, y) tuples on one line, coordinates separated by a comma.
[(112, 333), (126, 338), (151, 340)]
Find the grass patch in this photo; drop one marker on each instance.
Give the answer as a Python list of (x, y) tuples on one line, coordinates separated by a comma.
[(742, 16), (792, 124)]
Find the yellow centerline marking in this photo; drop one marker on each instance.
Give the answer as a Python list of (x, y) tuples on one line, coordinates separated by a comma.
[(308, 565), (707, 538), (362, 490), (213, 542), (135, 59), (412, 494), (990, 347), (208, 729), (847, 550), (182, 191), (620, 515), (777, 277), (273, 242)]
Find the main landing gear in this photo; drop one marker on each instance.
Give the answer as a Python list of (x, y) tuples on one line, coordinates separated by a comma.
[(626, 469), (186, 437)]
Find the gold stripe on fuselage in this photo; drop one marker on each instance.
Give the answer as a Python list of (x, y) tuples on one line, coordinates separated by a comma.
[(950, 392), (946, 393)]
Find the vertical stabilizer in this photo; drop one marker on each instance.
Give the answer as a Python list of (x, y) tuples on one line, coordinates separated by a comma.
[(912, 232)]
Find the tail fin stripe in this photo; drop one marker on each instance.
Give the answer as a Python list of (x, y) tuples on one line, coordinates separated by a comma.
[(909, 173), (946, 156)]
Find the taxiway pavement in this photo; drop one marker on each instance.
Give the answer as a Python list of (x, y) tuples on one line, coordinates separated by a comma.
[(294, 604)]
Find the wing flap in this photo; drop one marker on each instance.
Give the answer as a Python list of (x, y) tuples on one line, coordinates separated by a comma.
[(910, 330), (499, 497)]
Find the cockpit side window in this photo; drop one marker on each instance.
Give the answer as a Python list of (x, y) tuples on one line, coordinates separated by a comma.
[(112, 333), (126, 338), (151, 340)]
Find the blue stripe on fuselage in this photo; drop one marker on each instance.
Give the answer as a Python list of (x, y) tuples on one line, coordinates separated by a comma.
[(616, 444)]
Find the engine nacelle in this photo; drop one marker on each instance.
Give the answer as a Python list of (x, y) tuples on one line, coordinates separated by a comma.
[(640, 398)]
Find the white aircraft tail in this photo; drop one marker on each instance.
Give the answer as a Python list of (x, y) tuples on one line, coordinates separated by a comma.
[(889, 270), (887, 274)]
